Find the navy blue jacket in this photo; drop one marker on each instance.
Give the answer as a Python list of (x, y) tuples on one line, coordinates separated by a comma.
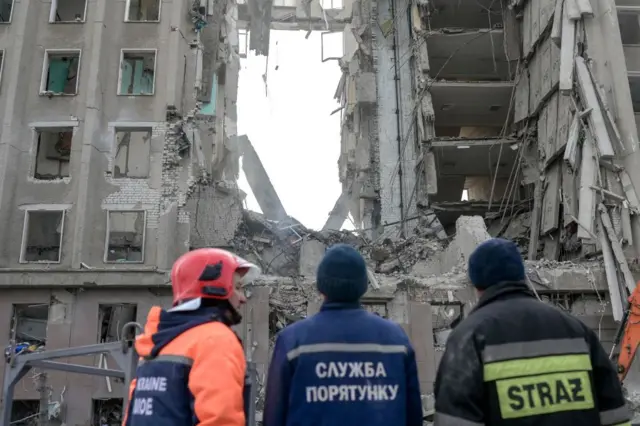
[(343, 366)]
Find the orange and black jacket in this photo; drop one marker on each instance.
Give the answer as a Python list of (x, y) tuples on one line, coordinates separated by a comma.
[(191, 372)]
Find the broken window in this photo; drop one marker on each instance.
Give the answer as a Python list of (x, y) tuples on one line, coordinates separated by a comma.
[(379, 309), (28, 331), (133, 149), (142, 11), (67, 11), (42, 235), (331, 4), (284, 3), (629, 27), (243, 43), (53, 152), (331, 45), (6, 7), (137, 72), (446, 316), (25, 412), (125, 236), (60, 73), (111, 320), (107, 412)]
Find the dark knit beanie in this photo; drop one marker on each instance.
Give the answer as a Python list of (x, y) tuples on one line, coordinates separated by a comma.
[(342, 274), (495, 261)]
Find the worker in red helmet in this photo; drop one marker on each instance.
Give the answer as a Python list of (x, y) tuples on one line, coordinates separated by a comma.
[(192, 365)]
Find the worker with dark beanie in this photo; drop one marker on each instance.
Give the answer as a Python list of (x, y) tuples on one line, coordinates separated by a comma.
[(343, 366), (517, 361)]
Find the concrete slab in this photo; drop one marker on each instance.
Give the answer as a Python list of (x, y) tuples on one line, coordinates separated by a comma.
[(471, 103), (311, 253)]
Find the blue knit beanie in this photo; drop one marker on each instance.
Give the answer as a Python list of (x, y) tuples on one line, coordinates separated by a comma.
[(342, 274), (495, 261)]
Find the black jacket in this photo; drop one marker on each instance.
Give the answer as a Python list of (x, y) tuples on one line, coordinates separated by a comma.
[(518, 362)]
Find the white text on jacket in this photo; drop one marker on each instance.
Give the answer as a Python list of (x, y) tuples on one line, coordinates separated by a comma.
[(351, 392), (144, 406)]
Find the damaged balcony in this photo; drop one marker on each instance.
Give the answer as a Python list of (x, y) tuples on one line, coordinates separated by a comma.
[(478, 55), (469, 14), (472, 64), (463, 169), (315, 15)]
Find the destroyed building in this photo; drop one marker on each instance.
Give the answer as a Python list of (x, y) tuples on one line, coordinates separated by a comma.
[(119, 150)]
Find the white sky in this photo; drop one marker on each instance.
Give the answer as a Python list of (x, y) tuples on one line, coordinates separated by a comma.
[(290, 128)]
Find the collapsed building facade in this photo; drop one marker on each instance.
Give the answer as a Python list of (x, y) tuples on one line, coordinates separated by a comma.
[(109, 172)]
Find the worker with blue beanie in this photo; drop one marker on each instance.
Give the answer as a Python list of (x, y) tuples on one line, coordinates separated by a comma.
[(496, 261), (344, 365), (516, 361)]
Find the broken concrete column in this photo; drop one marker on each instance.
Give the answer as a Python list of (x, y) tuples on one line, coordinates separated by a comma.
[(311, 252), (259, 181)]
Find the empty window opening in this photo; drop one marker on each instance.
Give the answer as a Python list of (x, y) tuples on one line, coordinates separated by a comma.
[(28, 332), (42, 235), (6, 7), (25, 412), (133, 148), (243, 43), (445, 317), (53, 152), (60, 73), (331, 4), (67, 11), (331, 45), (142, 11), (111, 319), (137, 73), (107, 412), (629, 27), (379, 309), (125, 236)]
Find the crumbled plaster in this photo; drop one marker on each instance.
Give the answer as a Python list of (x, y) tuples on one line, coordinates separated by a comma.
[(135, 193)]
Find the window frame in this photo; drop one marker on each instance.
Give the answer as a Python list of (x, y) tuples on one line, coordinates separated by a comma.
[(54, 7), (25, 231), (133, 127), (108, 229), (127, 20), (13, 8), (45, 68), (124, 51)]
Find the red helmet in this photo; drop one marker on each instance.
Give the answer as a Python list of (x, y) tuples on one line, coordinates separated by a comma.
[(208, 273)]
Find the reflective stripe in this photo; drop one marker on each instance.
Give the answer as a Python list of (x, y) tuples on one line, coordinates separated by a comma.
[(534, 349), (616, 416), (532, 366), (346, 347), (177, 359), (440, 419), (624, 424)]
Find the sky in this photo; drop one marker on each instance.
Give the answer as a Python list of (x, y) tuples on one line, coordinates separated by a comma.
[(290, 126)]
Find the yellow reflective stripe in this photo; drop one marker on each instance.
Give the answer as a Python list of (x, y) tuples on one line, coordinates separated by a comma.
[(544, 394), (532, 366), (623, 424), (505, 351)]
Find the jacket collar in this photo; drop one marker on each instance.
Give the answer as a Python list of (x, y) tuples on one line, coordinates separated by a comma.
[(502, 291), (338, 306)]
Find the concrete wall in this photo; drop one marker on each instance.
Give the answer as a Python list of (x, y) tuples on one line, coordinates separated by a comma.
[(93, 113)]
